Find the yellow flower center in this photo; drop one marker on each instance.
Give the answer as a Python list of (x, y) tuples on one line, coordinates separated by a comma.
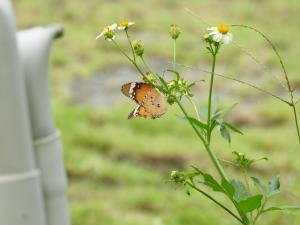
[(123, 24), (222, 28)]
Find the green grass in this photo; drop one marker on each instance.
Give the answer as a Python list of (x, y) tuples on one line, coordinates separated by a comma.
[(118, 169)]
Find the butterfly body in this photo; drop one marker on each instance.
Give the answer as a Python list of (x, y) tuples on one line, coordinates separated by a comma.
[(151, 104)]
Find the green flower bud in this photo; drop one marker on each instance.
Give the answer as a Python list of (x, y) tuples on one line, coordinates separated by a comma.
[(177, 177), (138, 47), (242, 160), (174, 31), (171, 99), (109, 35), (150, 77)]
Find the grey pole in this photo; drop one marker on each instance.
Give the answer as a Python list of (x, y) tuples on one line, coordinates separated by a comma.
[(35, 47), (21, 199)]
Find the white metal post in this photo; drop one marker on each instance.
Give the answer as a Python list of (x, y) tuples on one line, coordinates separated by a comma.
[(21, 199), (35, 47)]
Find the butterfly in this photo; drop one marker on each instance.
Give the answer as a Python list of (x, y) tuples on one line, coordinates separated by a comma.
[(151, 104)]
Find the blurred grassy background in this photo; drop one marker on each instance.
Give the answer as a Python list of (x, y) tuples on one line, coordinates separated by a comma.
[(119, 169)]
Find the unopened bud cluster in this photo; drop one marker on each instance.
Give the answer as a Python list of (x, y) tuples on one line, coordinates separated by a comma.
[(138, 47), (174, 31)]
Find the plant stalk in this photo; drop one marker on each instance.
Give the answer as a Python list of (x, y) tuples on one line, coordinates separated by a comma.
[(209, 99), (133, 53), (215, 201), (174, 55), (211, 154)]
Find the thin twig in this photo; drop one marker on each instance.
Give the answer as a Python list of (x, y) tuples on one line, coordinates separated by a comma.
[(215, 201), (290, 89), (243, 82)]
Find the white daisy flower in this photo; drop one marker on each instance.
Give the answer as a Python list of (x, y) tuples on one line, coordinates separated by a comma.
[(108, 32), (220, 34), (123, 25)]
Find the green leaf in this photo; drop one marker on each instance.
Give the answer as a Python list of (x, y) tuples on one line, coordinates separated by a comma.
[(240, 191), (162, 81), (224, 112), (197, 123), (259, 185), (194, 121), (209, 181), (187, 191), (228, 188), (233, 128), (225, 132), (191, 84), (274, 186), (251, 203), (176, 73), (286, 208)]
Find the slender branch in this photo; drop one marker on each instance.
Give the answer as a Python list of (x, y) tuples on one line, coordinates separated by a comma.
[(174, 55), (131, 60), (290, 89), (145, 63), (211, 154), (260, 210), (133, 53), (122, 51), (195, 107), (255, 87), (209, 99), (245, 83), (215, 201)]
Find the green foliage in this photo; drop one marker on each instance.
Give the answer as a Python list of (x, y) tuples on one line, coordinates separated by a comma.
[(250, 204), (285, 208), (240, 191)]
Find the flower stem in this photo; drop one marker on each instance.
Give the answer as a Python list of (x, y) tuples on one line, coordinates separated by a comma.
[(211, 154), (146, 64), (122, 51), (131, 60), (133, 53), (215, 201), (174, 55), (209, 99)]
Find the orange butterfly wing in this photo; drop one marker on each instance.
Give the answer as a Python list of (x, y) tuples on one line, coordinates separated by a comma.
[(151, 103), (139, 111), (136, 90), (154, 103)]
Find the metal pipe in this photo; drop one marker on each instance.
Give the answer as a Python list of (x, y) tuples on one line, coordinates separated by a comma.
[(35, 45), (21, 199)]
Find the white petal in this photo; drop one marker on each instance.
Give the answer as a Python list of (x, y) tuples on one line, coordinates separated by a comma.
[(121, 28), (100, 35), (212, 28), (217, 37), (213, 33), (130, 23), (227, 38), (113, 26)]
